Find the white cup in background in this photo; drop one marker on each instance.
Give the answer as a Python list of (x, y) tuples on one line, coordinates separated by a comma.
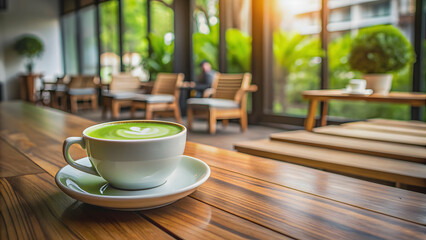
[(356, 85)]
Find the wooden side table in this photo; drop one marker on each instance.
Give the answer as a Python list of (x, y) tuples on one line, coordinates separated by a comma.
[(28, 87), (317, 96)]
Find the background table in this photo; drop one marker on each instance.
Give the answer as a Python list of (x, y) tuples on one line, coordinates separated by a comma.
[(245, 197), (316, 96)]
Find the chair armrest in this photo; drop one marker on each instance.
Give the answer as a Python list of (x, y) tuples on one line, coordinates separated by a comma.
[(251, 88), (208, 92)]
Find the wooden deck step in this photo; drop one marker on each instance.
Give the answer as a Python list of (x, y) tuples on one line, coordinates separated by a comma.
[(398, 123), (375, 148), (385, 128), (372, 135), (337, 161)]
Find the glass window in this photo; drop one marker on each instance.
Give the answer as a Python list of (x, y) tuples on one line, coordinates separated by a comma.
[(70, 43), (238, 36), (340, 72), (296, 55), (135, 41), (206, 33), (376, 9), (161, 37), (110, 60), (340, 15), (238, 39), (89, 48)]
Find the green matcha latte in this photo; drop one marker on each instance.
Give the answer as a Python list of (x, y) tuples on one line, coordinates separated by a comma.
[(133, 130)]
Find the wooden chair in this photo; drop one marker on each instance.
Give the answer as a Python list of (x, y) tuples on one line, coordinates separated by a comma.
[(122, 90), (58, 93), (228, 101), (164, 96), (83, 88)]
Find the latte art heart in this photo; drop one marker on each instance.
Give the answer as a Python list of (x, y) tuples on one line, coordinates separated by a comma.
[(138, 131), (135, 131)]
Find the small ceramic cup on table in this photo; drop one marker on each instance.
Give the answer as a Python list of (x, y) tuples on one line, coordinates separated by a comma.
[(130, 155), (356, 85)]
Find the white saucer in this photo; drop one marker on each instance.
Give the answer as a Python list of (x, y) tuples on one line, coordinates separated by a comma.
[(363, 92), (189, 175)]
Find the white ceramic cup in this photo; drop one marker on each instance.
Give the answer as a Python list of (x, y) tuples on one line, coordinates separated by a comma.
[(130, 164), (356, 85)]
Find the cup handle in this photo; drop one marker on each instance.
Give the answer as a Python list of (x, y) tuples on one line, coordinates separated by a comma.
[(65, 150)]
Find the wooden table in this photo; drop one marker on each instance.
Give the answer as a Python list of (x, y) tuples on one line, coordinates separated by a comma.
[(245, 197), (317, 96)]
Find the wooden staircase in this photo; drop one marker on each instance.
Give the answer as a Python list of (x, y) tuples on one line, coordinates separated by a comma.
[(377, 150)]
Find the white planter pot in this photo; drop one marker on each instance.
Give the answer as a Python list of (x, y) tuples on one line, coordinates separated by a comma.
[(379, 83)]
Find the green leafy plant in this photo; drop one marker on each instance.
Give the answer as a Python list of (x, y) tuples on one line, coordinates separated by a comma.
[(380, 49), (29, 46), (340, 72), (161, 58), (238, 50)]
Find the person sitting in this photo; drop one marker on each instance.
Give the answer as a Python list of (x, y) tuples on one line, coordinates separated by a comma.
[(204, 80)]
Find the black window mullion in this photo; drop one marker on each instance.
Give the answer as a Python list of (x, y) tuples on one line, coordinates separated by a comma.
[(78, 36), (61, 6), (148, 25), (98, 36), (223, 24), (120, 33), (418, 71)]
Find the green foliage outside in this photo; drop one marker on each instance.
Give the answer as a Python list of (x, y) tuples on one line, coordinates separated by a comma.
[(380, 49), (297, 68), (135, 38), (238, 51), (206, 47), (109, 27), (161, 59), (162, 16), (135, 27), (238, 55)]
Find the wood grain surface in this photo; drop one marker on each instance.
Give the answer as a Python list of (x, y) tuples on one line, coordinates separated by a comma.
[(372, 135), (384, 128), (295, 213), (415, 99), (14, 163), (374, 148), (359, 193), (55, 215), (398, 123), (246, 196), (338, 161)]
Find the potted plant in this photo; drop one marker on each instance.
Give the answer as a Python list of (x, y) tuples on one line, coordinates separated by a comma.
[(377, 52), (29, 46)]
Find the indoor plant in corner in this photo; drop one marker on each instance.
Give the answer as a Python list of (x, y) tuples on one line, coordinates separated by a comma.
[(29, 46), (377, 52)]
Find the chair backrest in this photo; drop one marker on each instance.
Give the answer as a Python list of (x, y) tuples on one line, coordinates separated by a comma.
[(168, 83), (231, 86), (124, 83), (82, 81), (63, 80)]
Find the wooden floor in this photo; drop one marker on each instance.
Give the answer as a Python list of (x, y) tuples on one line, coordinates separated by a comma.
[(385, 151)]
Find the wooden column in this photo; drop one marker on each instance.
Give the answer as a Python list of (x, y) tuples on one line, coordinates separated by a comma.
[(183, 62), (183, 52), (261, 56)]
